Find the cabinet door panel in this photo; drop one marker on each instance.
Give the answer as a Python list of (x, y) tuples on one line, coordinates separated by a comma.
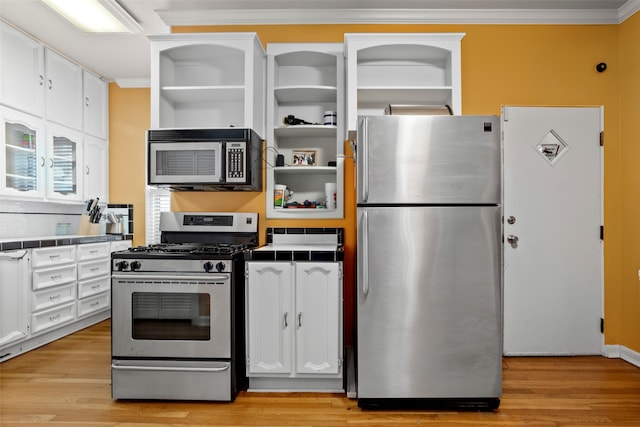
[(318, 300), (64, 164), (14, 288), (23, 166), (270, 317), (21, 71), (63, 90), (96, 169), (95, 104)]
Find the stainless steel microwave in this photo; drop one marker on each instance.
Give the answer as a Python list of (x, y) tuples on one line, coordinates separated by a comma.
[(204, 159)]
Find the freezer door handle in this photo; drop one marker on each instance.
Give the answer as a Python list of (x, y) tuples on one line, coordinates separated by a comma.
[(365, 164), (365, 253)]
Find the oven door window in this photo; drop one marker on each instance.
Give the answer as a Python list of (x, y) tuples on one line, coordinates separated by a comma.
[(171, 316)]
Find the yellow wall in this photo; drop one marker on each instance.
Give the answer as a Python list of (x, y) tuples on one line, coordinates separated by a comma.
[(502, 65), (626, 299)]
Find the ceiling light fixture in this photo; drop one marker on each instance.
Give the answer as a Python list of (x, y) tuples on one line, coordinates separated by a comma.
[(96, 16)]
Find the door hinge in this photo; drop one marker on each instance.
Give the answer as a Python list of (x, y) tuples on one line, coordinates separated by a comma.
[(601, 325), (601, 138), (602, 232)]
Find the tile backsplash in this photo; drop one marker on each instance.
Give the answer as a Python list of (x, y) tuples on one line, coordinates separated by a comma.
[(34, 219), (39, 219)]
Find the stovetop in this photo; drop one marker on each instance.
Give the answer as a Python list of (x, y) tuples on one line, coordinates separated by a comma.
[(179, 249)]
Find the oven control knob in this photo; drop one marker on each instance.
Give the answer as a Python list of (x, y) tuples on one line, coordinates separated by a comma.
[(135, 265), (220, 267), (208, 266), (122, 265)]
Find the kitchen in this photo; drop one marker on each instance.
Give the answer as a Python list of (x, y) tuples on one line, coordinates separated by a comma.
[(543, 65)]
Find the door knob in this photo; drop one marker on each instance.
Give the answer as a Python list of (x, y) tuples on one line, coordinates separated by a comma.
[(512, 239)]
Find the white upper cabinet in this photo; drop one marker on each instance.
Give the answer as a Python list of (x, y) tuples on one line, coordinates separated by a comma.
[(96, 169), (63, 83), (305, 81), (212, 80), (64, 163), (21, 71), (22, 168), (406, 69), (95, 105)]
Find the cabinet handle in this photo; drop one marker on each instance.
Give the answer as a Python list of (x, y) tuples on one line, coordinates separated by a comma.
[(54, 257), (55, 318), (95, 268), (51, 84), (56, 278), (42, 161), (95, 287), (95, 304), (285, 322), (41, 79), (87, 170), (54, 297), (86, 101), (51, 163), (299, 319)]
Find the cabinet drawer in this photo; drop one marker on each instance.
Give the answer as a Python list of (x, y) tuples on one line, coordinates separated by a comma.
[(52, 318), (93, 251), (87, 270), (48, 277), (47, 257), (51, 297), (92, 287), (93, 304)]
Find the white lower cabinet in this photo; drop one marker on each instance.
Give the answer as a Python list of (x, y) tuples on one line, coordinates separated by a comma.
[(14, 297), (294, 326), (48, 293), (94, 278), (54, 276)]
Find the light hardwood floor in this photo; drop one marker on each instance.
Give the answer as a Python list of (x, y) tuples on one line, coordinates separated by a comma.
[(67, 383)]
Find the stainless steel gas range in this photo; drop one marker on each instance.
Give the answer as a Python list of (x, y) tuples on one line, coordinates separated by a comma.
[(177, 322)]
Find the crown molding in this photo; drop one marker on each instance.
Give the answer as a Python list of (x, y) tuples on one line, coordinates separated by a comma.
[(397, 16), (628, 9), (133, 83)]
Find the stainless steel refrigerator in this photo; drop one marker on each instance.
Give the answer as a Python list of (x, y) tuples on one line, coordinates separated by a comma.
[(429, 306)]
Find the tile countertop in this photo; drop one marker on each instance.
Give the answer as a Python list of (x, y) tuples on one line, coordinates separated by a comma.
[(300, 244), (15, 243)]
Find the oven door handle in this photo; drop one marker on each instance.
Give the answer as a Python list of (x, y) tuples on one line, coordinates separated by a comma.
[(162, 276), (168, 368)]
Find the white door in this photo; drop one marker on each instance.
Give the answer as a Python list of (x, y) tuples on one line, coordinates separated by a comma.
[(318, 301), (553, 277), (270, 317)]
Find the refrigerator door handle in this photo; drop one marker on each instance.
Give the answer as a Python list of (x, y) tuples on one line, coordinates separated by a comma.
[(364, 163), (365, 253)]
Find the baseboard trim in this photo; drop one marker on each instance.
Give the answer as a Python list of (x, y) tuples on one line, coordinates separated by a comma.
[(622, 352)]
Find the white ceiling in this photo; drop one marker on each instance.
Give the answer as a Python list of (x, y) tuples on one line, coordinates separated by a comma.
[(125, 57)]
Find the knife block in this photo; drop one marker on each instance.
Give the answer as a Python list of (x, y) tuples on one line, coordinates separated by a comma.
[(87, 228)]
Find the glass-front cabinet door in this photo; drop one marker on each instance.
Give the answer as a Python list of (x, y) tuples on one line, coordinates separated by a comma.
[(22, 168), (64, 159)]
